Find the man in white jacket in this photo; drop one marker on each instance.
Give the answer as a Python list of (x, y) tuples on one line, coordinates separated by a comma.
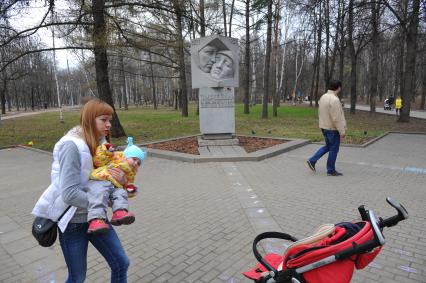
[(333, 126)]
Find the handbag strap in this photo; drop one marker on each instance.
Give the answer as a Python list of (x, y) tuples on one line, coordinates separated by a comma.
[(63, 213)]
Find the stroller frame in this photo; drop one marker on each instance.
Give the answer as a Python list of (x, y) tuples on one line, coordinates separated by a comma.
[(295, 275)]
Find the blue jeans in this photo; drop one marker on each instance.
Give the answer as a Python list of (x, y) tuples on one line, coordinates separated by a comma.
[(332, 144), (74, 243)]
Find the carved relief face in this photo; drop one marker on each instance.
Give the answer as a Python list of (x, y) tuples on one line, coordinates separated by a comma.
[(207, 57), (223, 68)]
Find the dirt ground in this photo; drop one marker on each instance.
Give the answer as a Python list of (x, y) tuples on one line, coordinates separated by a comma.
[(190, 145)]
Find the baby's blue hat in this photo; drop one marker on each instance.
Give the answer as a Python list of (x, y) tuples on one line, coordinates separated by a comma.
[(133, 150)]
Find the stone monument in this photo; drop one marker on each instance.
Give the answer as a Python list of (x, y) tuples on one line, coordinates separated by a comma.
[(215, 71)]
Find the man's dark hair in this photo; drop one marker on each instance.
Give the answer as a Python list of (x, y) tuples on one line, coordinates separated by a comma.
[(334, 84)]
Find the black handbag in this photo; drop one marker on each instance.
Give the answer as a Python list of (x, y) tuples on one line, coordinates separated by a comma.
[(45, 230)]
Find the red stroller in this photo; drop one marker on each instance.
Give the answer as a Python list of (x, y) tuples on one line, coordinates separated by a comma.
[(330, 255)]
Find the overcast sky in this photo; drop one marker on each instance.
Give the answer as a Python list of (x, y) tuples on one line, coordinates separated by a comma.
[(32, 16)]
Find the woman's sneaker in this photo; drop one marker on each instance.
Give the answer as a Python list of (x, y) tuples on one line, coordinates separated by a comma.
[(121, 216)]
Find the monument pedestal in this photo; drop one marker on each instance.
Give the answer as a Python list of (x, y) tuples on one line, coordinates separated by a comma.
[(217, 110), (215, 71), (202, 141), (217, 116), (217, 136)]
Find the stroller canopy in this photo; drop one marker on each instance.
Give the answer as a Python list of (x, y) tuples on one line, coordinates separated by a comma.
[(326, 242)]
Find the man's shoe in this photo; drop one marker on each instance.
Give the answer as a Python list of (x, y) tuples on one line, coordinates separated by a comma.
[(311, 165), (121, 216), (335, 173), (97, 226)]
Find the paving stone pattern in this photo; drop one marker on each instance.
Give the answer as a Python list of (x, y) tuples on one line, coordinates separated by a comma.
[(193, 224)]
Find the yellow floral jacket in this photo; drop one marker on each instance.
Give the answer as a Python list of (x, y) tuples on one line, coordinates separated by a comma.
[(105, 159)]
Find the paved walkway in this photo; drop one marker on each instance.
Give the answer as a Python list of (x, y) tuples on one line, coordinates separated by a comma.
[(413, 113), (17, 114), (196, 222)]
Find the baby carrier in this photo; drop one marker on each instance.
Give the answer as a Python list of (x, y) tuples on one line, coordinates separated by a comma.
[(330, 255)]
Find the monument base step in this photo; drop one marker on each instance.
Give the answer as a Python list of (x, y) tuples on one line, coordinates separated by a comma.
[(217, 142), (217, 136)]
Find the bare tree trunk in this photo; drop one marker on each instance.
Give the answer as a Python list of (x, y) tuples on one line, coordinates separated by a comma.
[(123, 89), (176, 98), (230, 17), (312, 82), (342, 44), (32, 98), (67, 85), (280, 89), (8, 100), (275, 98), (3, 96), (297, 71), (181, 58), (410, 65), (247, 61), (202, 34), (202, 19), (55, 77), (375, 8), (327, 41), (318, 54), (340, 14), (314, 63), (254, 79), (267, 62), (400, 72), (16, 96), (101, 64), (4, 78), (224, 17), (353, 56), (154, 95), (422, 101), (25, 101)]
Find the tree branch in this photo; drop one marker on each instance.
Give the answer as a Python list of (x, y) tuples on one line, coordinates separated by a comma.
[(38, 51)]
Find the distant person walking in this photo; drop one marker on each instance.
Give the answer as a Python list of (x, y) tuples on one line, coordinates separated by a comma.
[(398, 105), (333, 125)]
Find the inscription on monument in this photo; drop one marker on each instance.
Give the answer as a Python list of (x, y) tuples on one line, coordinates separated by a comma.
[(223, 99), (217, 110)]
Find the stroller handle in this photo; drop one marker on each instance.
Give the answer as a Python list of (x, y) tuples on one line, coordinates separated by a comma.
[(267, 235), (388, 222), (393, 220)]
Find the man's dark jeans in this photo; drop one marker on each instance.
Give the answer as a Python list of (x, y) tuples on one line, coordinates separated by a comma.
[(332, 144)]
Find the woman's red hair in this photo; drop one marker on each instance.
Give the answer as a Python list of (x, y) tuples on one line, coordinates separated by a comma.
[(92, 109)]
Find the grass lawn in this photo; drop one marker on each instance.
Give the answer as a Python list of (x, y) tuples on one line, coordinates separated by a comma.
[(146, 124)]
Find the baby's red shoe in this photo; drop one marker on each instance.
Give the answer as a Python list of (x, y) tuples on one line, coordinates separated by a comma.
[(97, 226), (121, 216)]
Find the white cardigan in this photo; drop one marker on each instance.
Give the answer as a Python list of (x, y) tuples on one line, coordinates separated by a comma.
[(50, 204)]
